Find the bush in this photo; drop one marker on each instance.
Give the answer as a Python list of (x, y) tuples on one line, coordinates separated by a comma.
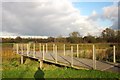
[(15, 62)]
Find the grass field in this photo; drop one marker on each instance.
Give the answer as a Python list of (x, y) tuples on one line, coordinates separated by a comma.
[(11, 68)]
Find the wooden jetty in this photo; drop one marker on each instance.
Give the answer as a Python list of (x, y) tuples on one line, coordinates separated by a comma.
[(43, 54)]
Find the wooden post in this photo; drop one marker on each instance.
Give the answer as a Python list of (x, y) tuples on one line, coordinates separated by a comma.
[(41, 63), (56, 54), (21, 59), (40, 47), (53, 48), (94, 58), (72, 56), (27, 50), (17, 48), (43, 52), (22, 49), (25, 47), (64, 49), (34, 50), (46, 48), (29, 46), (77, 50), (114, 58)]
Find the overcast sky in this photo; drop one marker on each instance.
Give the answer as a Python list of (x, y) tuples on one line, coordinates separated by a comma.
[(57, 17)]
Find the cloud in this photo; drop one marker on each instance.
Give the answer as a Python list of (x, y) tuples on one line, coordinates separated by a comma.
[(51, 18), (109, 13), (69, 0)]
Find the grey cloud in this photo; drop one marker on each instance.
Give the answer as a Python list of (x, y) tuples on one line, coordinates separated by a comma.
[(44, 19)]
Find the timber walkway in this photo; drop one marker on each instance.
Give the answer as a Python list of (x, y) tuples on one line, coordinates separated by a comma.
[(69, 61)]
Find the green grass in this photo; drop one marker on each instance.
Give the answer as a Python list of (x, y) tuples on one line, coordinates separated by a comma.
[(13, 69)]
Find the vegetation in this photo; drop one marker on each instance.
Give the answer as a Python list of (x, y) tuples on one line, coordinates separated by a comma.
[(104, 51), (107, 36), (13, 69)]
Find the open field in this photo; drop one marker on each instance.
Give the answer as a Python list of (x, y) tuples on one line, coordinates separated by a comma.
[(13, 68)]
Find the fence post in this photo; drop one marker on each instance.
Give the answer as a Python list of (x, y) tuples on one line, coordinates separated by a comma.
[(41, 63), (46, 48), (22, 49), (77, 50), (56, 53), (17, 48), (114, 58), (64, 49), (53, 48), (34, 50), (43, 52), (94, 58), (27, 49), (24, 46), (72, 56), (21, 59), (21, 54), (40, 47)]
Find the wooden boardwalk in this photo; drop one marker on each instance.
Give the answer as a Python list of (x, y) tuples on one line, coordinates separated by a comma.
[(77, 63), (66, 60)]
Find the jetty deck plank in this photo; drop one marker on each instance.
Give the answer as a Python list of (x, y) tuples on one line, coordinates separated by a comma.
[(67, 60)]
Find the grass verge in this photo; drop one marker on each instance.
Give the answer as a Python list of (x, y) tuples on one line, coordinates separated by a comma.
[(13, 69)]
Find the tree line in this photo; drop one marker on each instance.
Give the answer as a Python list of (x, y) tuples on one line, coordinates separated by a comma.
[(107, 36)]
